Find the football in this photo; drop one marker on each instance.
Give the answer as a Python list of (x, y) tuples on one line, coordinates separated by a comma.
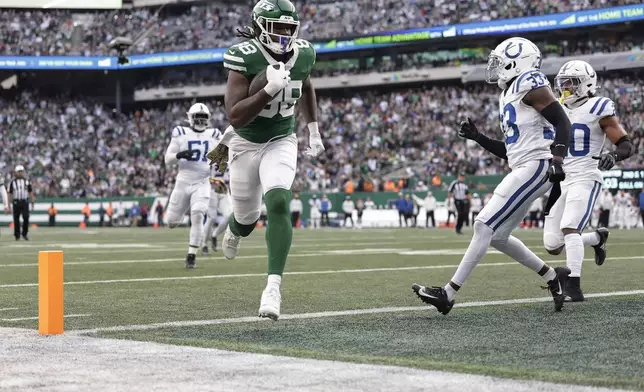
[(258, 83)]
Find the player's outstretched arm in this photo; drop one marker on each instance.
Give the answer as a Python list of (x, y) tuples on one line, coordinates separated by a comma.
[(309, 111), (468, 130), (616, 134)]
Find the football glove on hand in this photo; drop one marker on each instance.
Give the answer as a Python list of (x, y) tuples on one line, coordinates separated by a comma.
[(278, 78), (315, 140), (186, 154), (220, 186), (555, 171), (606, 161), (219, 156), (468, 130)]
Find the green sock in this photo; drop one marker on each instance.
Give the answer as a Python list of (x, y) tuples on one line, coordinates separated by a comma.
[(238, 229), (279, 233)]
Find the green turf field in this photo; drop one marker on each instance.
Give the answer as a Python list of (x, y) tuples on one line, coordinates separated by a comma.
[(347, 295)]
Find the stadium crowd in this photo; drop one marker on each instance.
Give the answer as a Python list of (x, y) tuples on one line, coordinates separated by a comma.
[(214, 24), (100, 153)]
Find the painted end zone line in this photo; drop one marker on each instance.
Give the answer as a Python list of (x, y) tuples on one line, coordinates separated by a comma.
[(354, 312)]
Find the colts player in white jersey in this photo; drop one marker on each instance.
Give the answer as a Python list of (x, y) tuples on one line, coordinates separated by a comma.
[(529, 115), (219, 205), (593, 118), (188, 147)]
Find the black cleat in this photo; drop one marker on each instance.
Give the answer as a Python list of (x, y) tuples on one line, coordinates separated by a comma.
[(600, 249), (214, 244), (24, 236), (190, 261), (205, 251), (557, 286), (435, 296), (17, 238), (573, 290)]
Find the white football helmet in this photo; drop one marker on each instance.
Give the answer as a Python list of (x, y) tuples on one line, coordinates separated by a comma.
[(575, 81), (199, 117), (510, 59)]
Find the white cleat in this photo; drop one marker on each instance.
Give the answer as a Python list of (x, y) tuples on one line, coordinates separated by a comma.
[(270, 303), (230, 244)]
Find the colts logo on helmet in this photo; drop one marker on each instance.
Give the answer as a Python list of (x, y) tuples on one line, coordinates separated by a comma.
[(565, 68), (592, 75), (513, 56)]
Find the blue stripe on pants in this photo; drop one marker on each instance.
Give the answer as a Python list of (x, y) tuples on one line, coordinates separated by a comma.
[(517, 194), (591, 204), (525, 197)]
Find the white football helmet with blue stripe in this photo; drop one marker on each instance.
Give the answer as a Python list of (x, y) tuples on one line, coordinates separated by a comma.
[(198, 117), (510, 59), (576, 81)]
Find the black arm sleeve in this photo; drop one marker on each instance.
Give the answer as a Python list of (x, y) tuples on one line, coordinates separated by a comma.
[(625, 149), (496, 147), (556, 116)]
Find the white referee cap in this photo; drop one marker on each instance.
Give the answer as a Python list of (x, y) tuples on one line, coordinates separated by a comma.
[(20, 168)]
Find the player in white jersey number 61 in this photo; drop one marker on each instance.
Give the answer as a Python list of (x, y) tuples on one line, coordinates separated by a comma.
[(593, 118), (529, 114), (188, 147)]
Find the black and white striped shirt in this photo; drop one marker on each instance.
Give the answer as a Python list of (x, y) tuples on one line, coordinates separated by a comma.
[(20, 189), (458, 189)]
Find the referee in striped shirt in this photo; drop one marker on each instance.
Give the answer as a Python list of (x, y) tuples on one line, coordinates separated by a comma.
[(20, 194), (461, 194)]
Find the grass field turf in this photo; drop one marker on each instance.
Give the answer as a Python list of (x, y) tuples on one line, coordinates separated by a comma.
[(598, 342)]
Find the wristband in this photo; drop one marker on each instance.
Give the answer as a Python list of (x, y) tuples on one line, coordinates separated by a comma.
[(272, 89), (313, 128)]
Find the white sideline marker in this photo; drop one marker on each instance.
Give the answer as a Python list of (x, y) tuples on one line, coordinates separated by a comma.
[(353, 312), (36, 317)]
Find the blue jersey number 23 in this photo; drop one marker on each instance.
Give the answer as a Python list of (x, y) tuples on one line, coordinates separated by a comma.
[(198, 155), (508, 125)]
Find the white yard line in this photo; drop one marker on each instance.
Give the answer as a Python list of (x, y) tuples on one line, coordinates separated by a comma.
[(36, 317), (176, 259), (352, 312), (322, 272), (5, 309)]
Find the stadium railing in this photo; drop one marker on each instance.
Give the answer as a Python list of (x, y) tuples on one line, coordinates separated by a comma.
[(467, 74)]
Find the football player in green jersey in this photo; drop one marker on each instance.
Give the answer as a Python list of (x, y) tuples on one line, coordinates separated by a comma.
[(260, 146)]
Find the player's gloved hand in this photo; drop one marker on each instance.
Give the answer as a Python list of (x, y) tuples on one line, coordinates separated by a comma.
[(468, 130), (606, 161), (219, 156), (555, 171), (315, 140), (278, 78), (186, 154), (220, 185)]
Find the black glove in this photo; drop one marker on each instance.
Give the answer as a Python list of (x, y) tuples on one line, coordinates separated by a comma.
[(185, 154), (555, 171), (468, 130), (606, 161)]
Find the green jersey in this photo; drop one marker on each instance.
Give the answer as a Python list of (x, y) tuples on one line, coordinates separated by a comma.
[(278, 117)]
